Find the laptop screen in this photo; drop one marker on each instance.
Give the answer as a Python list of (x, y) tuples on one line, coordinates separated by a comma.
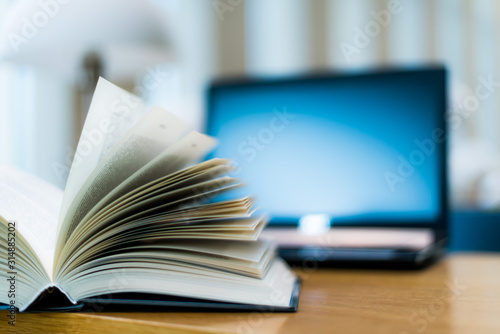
[(355, 148)]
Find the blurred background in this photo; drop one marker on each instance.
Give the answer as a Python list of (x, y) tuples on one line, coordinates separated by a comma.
[(52, 52)]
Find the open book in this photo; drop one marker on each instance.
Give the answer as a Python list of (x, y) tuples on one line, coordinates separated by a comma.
[(138, 223)]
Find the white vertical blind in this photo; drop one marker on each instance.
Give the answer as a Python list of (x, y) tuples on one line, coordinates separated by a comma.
[(18, 117), (36, 121), (484, 47), (25, 119), (193, 36), (353, 39), (53, 102), (451, 36), (277, 37), (408, 32), (6, 146), (453, 49)]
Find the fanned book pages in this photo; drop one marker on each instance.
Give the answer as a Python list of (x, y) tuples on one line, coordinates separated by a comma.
[(139, 223)]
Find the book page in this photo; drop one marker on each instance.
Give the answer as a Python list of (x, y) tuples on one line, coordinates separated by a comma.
[(164, 202), (133, 226), (189, 149), (244, 250), (184, 280), (245, 258), (34, 204), (146, 235), (189, 175), (113, 112), (145, 141), (201, 172)]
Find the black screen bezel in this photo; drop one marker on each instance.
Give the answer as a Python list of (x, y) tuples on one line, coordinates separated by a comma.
[(435, 72)]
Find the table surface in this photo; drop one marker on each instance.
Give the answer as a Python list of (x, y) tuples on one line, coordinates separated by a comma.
[(459, 294)]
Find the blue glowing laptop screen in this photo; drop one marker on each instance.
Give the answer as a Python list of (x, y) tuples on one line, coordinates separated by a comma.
[(353, 147)]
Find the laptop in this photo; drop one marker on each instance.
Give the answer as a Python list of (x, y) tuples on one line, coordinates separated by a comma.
[(350, 167)]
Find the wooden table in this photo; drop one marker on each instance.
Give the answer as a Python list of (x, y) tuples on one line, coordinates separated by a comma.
[(460, 294)]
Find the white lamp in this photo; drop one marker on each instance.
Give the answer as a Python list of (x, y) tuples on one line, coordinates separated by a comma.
[(56, 35)]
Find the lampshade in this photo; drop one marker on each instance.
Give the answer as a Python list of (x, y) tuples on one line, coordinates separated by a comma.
[(129, 35)]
